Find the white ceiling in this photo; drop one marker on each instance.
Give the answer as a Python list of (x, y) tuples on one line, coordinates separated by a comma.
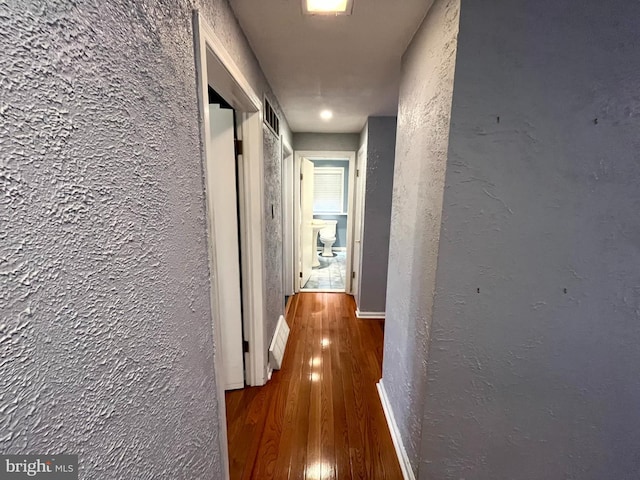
[(348, 64)]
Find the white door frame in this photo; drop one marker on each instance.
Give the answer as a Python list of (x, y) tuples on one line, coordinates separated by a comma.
[(358, 219), (215, 66), (324, 155), (288, 263)]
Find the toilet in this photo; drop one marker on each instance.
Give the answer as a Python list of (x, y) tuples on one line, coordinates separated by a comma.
[(328, 237)]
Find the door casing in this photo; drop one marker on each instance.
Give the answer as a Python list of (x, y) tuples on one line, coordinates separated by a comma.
[(350, 156), (358, 220), (288, 262)]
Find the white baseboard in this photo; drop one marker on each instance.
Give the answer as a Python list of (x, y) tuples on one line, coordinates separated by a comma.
[(360, 314), (405, 465)]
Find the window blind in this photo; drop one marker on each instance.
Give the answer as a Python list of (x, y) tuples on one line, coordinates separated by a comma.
[(328, 189)]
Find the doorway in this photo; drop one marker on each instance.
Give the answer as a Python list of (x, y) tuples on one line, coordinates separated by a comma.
[(216, 68), (222, 202), (323, 220)]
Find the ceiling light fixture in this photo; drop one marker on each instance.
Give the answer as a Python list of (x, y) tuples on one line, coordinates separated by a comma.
[(326, 114), (327, 7)]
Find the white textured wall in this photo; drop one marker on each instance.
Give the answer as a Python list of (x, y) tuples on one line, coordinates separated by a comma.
[(536, 376), (106, 345), (420, 161)]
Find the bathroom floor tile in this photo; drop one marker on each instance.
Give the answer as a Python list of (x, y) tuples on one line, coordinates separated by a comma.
[(330, 274)]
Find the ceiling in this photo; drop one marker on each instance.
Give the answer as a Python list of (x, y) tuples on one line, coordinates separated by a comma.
[(347, 64)]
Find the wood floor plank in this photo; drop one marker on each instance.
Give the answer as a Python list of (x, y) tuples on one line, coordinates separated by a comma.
[(314, 448), (327, 434), (320, 416), (353, 408), (295, 355), (270, 441), (341, 433), (298, 463)]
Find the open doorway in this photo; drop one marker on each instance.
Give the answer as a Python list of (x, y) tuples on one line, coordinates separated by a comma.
[(216, 68), (324, 221), (222, 192)]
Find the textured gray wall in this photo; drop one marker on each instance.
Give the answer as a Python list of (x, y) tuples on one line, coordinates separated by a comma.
[(381, 146), (106, 345), (421, 151), (274, 298), (348, 142), (527, 380)]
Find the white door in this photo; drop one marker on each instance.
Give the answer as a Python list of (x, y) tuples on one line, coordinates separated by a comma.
[(307, 246), (358, 220), (222, 198)]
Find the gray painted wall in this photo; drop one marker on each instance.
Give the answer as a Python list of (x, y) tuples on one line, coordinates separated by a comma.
[(526, 379), (421, 152), (106, 345), (348, 142), (381, 143)]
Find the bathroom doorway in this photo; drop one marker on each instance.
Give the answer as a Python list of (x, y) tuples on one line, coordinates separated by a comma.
[(323, 223)]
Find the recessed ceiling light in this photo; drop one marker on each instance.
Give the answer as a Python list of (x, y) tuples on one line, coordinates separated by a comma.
[(327, 7), (326, 114)]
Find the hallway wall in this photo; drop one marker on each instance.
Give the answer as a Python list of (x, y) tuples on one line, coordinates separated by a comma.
[(106, 341), (347, 142), (536, 376), (420, 160), (380, 144), (273, 256)]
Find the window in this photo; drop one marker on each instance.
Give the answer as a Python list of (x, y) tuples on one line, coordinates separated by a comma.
[(328, 190)]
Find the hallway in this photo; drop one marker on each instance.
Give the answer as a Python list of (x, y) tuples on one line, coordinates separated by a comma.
[(320, 416)]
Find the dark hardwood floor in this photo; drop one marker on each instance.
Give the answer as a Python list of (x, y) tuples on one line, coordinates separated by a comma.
[(320, 416)]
